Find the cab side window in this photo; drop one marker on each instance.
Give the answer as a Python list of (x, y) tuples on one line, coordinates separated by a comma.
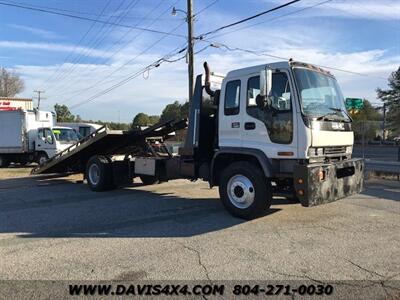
[(48, 136), (232, 98), (276, 113), (41, 134)]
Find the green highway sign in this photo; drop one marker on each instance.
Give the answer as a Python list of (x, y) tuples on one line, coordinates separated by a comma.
[(354, 103)]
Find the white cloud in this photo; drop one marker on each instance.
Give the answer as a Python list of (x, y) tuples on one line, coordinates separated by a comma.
[(385, 10), (47, 34), (53, 47)]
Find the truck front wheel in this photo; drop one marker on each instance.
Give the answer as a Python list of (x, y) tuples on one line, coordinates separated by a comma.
[(244, 190), (99, 174), (42, 158)]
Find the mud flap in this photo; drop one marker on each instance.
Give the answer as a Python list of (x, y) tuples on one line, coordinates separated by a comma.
[(316, 184)]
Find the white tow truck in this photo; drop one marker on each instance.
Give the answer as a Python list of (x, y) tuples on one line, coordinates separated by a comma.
[(30, 136), (273, 129)]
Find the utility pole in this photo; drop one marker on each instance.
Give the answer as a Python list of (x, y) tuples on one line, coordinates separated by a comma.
[(38, 97), (190, 46), (190, 49)]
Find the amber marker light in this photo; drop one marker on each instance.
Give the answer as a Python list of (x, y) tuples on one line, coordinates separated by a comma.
[(285, 153), (321, 175)]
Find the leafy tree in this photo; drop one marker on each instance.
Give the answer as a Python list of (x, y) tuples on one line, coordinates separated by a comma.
[(63, 113), (366, 122), (10, 83), (141, 119), (154, 119), (175, 111), (391, 98), (171, 112)]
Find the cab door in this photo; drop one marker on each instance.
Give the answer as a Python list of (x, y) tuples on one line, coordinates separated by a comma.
[(229, 114), (269, 127), (46, 142)]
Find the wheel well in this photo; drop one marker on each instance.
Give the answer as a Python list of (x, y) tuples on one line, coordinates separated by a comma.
[(225, 159), (40, 152)]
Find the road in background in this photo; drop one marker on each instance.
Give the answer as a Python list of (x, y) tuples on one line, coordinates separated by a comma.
[(377, 152)]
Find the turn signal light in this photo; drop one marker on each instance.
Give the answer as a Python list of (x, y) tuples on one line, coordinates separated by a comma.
[(321, 175)]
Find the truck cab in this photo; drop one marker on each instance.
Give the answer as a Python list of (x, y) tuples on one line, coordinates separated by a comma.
[(283, 122), (52, 140)]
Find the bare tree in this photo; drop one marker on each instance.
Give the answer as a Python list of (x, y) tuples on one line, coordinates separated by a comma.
[(10, 83)]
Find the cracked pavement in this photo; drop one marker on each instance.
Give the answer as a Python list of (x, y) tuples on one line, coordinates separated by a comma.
[(55, 228)]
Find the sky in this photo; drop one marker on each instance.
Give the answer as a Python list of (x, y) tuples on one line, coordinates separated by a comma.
[(77, 61)]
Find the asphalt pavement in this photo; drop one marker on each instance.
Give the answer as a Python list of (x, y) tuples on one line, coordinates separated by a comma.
[(57, 229)]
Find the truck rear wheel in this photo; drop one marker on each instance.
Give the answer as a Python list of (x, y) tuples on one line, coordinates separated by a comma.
[(4, 162), (148, 180), (244, 190), (99, 174)]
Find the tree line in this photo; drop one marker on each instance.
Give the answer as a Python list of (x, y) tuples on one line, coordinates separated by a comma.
[(173, 111)]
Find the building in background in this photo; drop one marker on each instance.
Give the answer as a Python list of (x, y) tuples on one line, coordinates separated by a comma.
[(10, 103)]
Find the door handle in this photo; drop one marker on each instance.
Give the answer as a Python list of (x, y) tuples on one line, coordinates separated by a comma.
[(249, 126)]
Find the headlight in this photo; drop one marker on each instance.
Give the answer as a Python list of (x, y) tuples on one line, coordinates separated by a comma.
[(349, 149), (315, 151)]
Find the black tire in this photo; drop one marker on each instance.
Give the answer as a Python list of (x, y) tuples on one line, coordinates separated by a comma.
[(41, 158), (148, 180), (246, 181), (99, 174), (4, 162)]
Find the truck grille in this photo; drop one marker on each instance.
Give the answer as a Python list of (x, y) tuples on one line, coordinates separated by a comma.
[(335, 150)]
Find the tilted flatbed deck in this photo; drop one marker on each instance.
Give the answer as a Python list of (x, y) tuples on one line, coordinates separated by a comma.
[(105, 142)]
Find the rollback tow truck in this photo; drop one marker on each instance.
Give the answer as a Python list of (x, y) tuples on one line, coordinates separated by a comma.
[(274, 129)]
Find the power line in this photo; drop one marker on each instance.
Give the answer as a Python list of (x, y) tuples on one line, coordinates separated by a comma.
[(263, 53), (97, 41), (79, 43), (274, 19), (126, 63), (75, 11), (149, 67), (90, 19), (134, 37), (205, 8), (249, 18), (153, 65)]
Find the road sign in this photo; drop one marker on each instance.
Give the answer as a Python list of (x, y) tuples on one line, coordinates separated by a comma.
[(354, 103)]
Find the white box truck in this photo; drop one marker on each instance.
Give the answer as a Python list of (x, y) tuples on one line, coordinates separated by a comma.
[(30, 136)]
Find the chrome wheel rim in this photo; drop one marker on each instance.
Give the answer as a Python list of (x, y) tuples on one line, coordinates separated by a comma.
[(240, 191), (94, 174)]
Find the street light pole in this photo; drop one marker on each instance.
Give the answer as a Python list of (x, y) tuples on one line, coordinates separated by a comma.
[(190, 49)]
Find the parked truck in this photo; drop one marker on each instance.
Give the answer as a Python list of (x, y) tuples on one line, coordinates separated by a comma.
[(30, 136), (81, 129), (273, 129)]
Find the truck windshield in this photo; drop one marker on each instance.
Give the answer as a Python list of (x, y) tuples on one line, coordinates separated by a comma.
[(65, 135), (320, 95)]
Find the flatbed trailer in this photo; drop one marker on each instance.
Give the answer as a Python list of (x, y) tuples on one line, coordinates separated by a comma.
[(107, 143)]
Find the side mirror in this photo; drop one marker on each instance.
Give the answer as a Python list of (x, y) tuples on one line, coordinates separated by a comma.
[(265, 82)]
